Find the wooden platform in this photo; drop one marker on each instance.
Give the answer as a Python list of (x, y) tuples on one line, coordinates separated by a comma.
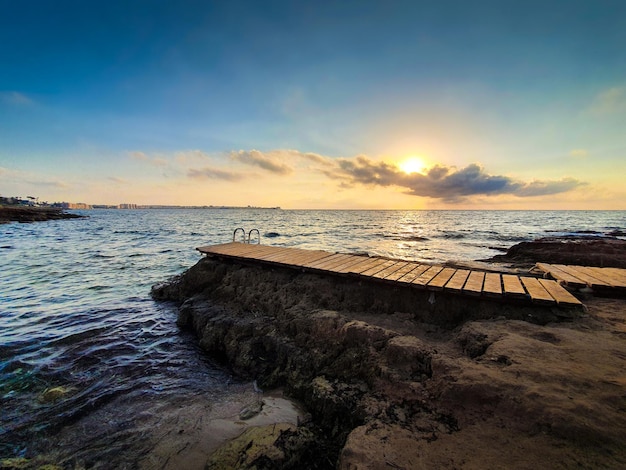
[(496, 286), (601, 280)]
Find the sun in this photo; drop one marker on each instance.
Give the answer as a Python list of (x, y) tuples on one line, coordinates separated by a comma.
[(412, 165)]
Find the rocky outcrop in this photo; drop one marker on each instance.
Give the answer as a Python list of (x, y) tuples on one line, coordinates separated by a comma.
[(576, 250), (33, 214), (393, 380)]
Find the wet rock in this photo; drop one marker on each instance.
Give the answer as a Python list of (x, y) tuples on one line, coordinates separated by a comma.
[(33, 214), (51, 395), (575, 250), (266, 447), (251, 411), (14, 463)]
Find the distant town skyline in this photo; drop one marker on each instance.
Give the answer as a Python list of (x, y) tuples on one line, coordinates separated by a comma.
[(338, 105)]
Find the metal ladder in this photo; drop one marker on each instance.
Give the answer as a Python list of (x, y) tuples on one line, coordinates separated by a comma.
[(248, 239)]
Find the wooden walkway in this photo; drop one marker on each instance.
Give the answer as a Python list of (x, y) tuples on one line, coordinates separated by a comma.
[(422, 276), (576, 277)]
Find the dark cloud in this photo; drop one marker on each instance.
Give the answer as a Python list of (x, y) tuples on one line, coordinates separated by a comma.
[(441, 182), (213, 173), (262, 160)]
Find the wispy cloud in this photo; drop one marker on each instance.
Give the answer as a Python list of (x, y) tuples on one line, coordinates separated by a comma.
[(214, 173), (578, 153), (610, 101), (116, 180), (153, 161), (442, 182), (15, 98), (34, 179), (265, 161), (186, 157)]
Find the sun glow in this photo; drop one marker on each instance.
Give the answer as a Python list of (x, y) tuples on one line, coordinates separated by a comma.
[(412, 165)]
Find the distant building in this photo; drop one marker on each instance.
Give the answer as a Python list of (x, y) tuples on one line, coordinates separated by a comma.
[(127, 206), (77, 205)]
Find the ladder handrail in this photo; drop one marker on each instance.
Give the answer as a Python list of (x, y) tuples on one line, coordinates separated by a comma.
[(249, 237), (242, 231), (258, 240)]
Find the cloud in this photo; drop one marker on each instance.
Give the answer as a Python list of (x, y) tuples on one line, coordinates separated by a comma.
[(546, 188), (610, 101), (115, 179), (214, 173), (154, 161), (578, 153), (142, 157), (35, 179), (267, 161), (188, 156), (441, 182), (15, 98)]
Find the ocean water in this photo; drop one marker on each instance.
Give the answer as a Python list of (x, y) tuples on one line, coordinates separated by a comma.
[(76, 315)]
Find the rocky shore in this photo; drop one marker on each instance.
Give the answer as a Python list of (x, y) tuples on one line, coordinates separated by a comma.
[(589, 250), (391, 383), (33, 214)]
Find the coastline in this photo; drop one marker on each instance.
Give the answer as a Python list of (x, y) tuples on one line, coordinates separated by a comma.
[(33, 214), (388, 388)]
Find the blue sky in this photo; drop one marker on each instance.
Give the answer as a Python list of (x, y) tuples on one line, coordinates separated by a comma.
[(157, 102)]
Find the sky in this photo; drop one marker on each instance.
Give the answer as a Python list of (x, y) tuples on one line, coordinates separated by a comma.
[(315, 104)]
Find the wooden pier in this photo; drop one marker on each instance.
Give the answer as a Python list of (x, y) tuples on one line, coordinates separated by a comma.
[(474, 283), (601, 280)]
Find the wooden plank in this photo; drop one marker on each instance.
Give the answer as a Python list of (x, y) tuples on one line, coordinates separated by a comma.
[(311, 257), (619, 273), (363, 264), (339, 262), (474, 283), (537, 292), (377, 268), (581, 273), (323, 261), (441, 279), (410, 266), (362, 267), (409, 277), (390, 270), (354, 260), (613, 278), (512, 286), (326, 262), (493, 285), (559, 293), (229, 249), (248, 251), (561, 275), (426, 276), (601, 279), (279, 254), (583, 279), (456, 283)]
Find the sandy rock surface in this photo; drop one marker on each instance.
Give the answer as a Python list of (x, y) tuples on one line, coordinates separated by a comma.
[(389, 389)]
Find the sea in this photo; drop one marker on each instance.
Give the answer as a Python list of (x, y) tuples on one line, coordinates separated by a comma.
[(89, 361)]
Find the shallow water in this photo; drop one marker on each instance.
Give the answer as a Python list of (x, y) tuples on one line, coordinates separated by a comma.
[(75, 309)]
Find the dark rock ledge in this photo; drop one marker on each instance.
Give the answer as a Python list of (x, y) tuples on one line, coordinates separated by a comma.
[(393, 380), (33, 214)]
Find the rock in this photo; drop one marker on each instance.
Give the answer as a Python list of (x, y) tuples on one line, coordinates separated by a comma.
[(391, 381), (574, 250), (14, 463), (33, 214), (51, 395), (279, 445), (251, 411)]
